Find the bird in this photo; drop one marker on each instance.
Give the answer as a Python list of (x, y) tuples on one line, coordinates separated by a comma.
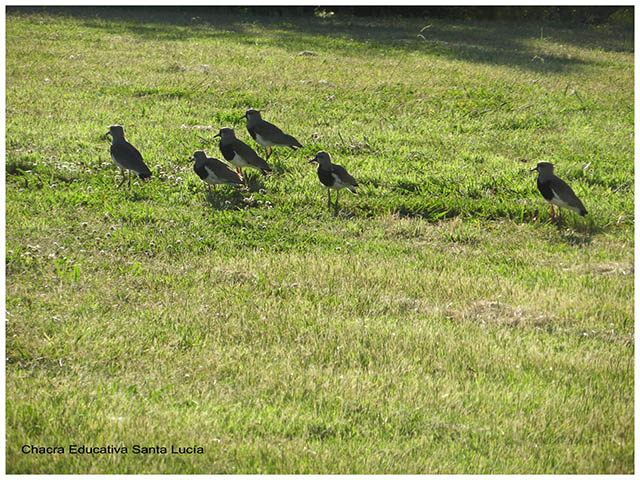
[(126, 156), (267, 134), (212, 171), (239, 153), (556, 191), (333, 176)]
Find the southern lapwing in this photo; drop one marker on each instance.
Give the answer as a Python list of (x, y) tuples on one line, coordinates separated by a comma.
[(126, 156), (239, 154), (333, 177), (267, 134), (212, 171), (556, 191)]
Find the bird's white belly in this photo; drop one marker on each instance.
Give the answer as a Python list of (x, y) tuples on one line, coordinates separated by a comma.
[(118, 164), (337, 183), (239, 162), (561, 203), (211, 177), (264, 142)]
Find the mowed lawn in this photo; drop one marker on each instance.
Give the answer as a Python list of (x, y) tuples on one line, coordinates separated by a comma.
[(440, 323)]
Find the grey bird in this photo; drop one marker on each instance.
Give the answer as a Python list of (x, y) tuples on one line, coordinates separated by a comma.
[(239, 154), (126, 156), (212, 171), (556, 191), (267, 134), (333, 177)]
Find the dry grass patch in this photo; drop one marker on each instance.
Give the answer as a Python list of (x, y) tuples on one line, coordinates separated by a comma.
[(486, 312)]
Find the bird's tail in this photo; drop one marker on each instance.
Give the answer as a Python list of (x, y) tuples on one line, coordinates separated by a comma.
[(292, 142)]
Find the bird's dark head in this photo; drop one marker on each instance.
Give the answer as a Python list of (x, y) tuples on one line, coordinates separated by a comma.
[(321, 158), (252, 114), (226, 133), (116, 131), (198, 155), (543, 168)]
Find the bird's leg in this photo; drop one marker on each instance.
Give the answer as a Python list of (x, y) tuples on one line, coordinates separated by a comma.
[(336, 202), (123, 178), (129, 185), (328, 198), (553, 213), (266, 153)]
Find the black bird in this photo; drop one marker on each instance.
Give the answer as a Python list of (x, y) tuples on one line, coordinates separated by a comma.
[(126, 156), (212, 171), (556, 191), (239, 154), (333, 177), (267, 134)]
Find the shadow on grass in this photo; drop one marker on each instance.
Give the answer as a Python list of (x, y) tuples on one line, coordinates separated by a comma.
[(497, 43), (282, 164), (225, 197), (585, 226), (576, 234), (136, 194), (254, 180)]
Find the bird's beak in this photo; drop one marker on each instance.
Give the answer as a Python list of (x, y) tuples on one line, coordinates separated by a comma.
[(108, 133), (216, 135), (244, 116), (311, 160), (534, 169)]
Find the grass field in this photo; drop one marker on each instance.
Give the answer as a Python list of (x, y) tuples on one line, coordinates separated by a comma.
[(440, 323)]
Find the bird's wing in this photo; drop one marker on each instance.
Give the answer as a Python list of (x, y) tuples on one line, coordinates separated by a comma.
[(343, 175), (249, 156), (562, 192), (129, 157), (221, 170), (274, 134)]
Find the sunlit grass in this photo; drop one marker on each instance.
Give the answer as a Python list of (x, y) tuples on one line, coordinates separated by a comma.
[(439, 324)]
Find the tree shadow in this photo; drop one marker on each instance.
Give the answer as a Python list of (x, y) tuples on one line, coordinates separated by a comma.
[(497, 43)]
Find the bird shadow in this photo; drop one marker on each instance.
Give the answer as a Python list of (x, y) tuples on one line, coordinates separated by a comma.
[(575, 238), (225, 197), (575, 232), (253, 180), (137, 195)]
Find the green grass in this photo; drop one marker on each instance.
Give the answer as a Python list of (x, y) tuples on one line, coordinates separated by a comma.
[(439, 324)]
